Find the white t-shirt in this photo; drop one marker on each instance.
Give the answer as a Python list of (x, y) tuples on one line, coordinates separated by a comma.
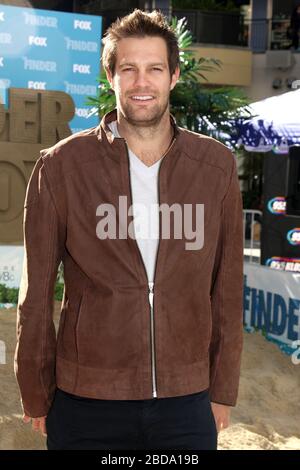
[(144, 189)]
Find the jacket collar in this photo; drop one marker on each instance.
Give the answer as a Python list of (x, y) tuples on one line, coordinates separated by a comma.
[(104, 132)]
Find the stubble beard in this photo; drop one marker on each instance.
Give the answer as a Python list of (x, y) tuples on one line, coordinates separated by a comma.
[(144, 117)]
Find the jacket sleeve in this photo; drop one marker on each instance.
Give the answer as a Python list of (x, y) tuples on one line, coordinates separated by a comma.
[(34, 360), (227, 298)]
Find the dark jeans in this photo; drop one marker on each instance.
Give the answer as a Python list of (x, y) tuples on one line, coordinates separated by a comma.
[(184, 422)]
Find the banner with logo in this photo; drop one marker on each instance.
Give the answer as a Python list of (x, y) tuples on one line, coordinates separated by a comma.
[(280, 234), (276, 206), (272, 305), (11, 262), (49, 50)]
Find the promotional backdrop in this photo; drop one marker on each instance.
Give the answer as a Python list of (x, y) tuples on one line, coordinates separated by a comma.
[(50, 50)]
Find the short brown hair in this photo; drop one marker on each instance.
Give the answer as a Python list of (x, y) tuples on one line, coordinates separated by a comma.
[(139, 24)]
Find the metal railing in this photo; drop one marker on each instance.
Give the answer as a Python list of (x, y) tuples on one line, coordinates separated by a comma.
[(252, 252), (234, 29), (215, 27), (264, 34)]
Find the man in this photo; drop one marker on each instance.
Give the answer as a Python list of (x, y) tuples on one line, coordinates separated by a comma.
[(150, 337)]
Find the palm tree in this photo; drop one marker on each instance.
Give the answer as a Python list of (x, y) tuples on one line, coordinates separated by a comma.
[(207, 110)]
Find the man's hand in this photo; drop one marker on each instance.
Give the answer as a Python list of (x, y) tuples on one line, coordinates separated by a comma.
[(38, 424), (221, 414)]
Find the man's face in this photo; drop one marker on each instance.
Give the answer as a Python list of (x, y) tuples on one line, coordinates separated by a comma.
[(142, 81)]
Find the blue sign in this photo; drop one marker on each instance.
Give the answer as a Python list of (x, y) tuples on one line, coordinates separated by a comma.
[(49, 50), (272, 305)]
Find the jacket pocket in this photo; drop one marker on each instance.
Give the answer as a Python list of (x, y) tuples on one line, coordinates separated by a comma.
[(209, 320), (78, 321), (62, 324)]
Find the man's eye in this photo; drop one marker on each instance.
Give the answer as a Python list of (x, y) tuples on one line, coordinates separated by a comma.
[(157, 68), (127, 69)]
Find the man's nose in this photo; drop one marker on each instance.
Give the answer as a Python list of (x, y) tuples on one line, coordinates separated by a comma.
[(141, 78)]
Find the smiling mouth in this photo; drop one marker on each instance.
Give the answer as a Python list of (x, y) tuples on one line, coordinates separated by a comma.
[(142, 98)]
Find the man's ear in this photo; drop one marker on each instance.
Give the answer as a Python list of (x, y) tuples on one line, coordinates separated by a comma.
[(175, 77), (109, 78)]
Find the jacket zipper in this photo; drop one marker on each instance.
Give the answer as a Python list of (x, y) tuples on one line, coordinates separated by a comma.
[(151, 298), (150, 284)]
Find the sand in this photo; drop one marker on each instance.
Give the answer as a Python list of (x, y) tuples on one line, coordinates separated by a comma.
[(267, 416)]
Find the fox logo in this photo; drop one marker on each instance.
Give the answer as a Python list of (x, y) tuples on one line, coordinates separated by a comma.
[(37, 41), (37, 85), (85, 25), (81, 68)]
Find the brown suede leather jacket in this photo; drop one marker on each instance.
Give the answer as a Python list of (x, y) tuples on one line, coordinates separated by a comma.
[(117, 340)]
